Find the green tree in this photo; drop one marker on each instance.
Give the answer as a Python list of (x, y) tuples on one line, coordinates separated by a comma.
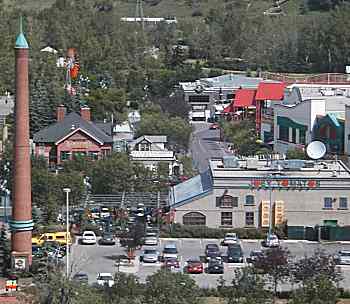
[(316, 291), (5, 252), (295, 154), (248, 287), (165, 287)]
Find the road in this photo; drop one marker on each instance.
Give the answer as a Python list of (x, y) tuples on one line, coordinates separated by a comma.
[(205, 144), (95, 258)]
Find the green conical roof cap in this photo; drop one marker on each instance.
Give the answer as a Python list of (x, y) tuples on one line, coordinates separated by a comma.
[(21, 41)]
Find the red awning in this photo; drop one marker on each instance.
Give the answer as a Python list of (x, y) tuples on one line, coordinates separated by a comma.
[(245, 98), (228, 109), (270, 91)]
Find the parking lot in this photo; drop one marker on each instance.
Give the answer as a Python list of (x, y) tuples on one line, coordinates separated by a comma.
[(93, 259)]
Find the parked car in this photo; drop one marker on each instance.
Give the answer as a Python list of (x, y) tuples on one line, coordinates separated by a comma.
[(81, 277), (170, 251), (89, 237), (105, 212), (172, 264), (254, 256), (150, 256), (194, 266), (107, 239), (151, 241), (212, 251), (229, 239), (215, 266), (214, 126), (343, 257), (271, 241), (105, 279), (235, 254)]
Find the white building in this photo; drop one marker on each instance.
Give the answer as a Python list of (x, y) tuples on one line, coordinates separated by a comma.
[(236, 193)]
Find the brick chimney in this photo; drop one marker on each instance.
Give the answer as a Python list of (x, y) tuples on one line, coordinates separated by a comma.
[(85, 113), (61, 112)]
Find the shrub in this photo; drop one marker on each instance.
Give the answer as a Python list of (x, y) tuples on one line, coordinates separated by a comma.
[(183, 231)]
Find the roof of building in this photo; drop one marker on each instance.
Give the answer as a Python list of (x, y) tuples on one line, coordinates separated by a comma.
[(123, 127), (245, 98), (153, 155), (191, 189), (270, 91), (223, 81), (288, 168), (60, 129), (154, 139), (21, 42)]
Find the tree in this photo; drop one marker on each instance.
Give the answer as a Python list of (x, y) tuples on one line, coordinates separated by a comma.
[(248, 287), (5, 252), (165, 287), (310, 268), (295, 154), (275, 265), (316, 291)]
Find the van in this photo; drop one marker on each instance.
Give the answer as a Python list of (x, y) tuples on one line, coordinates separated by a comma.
[(59, 237), (170, 251)]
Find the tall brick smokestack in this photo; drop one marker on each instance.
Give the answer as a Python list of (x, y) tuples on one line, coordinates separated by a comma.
[(21, 223)]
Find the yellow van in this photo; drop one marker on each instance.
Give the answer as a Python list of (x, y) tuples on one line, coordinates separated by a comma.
[(59, 237)]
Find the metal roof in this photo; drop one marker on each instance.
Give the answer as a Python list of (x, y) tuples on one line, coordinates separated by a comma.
[(60, 129)]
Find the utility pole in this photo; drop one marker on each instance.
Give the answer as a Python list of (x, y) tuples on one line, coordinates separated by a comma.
[(139, 13)]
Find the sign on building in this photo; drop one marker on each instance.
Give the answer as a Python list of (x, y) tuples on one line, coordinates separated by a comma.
[(265, 213), (279, 212)]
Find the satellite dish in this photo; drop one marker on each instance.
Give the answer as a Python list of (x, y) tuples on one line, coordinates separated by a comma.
[(316, 150)]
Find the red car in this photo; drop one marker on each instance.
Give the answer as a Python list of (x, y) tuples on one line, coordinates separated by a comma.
[(170, 263), (214, 126), (194, 266)]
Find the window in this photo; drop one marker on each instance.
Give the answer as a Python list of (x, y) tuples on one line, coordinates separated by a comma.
[(328, 203), (230, 96), (294, 135), (226, 201), (79, 154), (93, 155), (194, 219), (145, 147), (249, 200), (65, 155), (284, 133), (198, 98), (249, 218), (343, 203), (226, 218), (302, 137)]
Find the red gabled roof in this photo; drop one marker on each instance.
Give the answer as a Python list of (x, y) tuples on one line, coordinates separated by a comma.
[(270, 91), (245, 98)]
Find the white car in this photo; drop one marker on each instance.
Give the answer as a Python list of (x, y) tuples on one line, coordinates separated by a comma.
[(343, 257), (271, 241), (89, 237), (151, 241), (104, 212), (105, 278), (230, 239), (170, 251)]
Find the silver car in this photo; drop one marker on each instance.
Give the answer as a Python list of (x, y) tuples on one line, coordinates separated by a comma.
[(344, 257), (150, 256)]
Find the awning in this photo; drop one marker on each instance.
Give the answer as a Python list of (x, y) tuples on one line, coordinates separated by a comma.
[(245, 98), (270, 91), (228, 109)]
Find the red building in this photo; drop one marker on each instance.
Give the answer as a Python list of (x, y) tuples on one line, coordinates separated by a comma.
[(73, 135)]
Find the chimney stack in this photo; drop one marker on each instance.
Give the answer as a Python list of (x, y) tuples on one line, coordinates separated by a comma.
[(85, 113), (61, 112)]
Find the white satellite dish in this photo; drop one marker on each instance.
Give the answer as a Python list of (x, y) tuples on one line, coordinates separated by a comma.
[(316, 150)]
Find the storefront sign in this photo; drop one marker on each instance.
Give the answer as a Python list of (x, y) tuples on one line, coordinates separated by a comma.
[(285, 184)]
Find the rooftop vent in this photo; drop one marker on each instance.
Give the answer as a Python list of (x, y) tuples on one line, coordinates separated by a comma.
[(230, 162), (252, 163)]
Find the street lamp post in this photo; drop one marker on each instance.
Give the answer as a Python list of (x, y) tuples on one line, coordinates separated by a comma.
[(270, 203), (67, 191)]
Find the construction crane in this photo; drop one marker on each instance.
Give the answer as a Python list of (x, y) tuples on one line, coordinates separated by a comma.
[(276, 8)]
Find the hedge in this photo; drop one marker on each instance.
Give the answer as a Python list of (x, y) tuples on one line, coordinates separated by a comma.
[(183, 231)]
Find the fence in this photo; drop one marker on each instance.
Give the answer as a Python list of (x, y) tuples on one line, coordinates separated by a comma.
[(324, 233)]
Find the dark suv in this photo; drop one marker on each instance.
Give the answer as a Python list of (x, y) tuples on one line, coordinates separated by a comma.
[(234, 254), (212, 251)]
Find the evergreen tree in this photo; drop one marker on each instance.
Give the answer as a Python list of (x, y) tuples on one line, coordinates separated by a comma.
[(5, 252)]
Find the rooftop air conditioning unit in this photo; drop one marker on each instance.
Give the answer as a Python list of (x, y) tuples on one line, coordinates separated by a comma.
[(252, 163), (230, 162)]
